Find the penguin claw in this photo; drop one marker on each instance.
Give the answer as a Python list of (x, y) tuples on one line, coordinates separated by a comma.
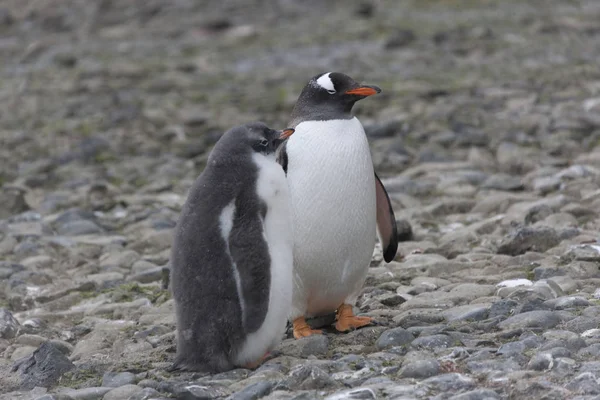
[(302, 329), (346, 320)]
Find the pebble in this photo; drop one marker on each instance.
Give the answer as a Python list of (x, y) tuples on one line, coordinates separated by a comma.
[(8, 324), (117, 379), (420, 369), (394, 337), (531, 319)]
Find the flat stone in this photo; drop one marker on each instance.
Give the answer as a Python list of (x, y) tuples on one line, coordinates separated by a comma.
[(531, 319), (304, 347), (526, 239), (147, 276), (477, 394), (91, 393), (420, 369), (585, 383), (80, 227), (566, 302), (124, 259), (434, 342), (394, 337), (541, 362), (353, 394), (117, 379), (123, 392), (448, 382), (475, 312)]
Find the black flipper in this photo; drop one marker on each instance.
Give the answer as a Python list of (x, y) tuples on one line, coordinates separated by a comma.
[(386, 222)]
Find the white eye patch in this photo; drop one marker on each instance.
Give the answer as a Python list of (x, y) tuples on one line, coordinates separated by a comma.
[(325, 82)]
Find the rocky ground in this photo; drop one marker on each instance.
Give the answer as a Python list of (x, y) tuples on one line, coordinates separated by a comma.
[(487, 135)]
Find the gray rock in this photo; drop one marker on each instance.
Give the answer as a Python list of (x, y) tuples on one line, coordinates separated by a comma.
[(123, 392), (193, 391), (526, 239), (541, 362), (353, 394), (503, 182), (448, 382), (304, 347), (477, 394), (309, 377), (531, 319), (581, 324), (475, 312), (435, 342), (518, 347), (405, 232), (591, 351), (44, 367), (394, 337), (147, 276), (8, 324), (420, 369), (400, 38), (91, 393), (12, 201), (117, 379), (502, 308), (81, 227), (254, 391), (566, 302), (585, 383), (145, 394)]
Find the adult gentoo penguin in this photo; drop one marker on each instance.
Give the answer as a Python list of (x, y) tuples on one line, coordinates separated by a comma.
[(231, 261), (339, 204)]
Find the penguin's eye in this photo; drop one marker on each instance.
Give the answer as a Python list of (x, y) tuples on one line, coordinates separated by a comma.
[(263, 143), (331, 91)]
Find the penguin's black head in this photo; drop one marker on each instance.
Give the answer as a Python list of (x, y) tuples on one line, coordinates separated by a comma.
[(329, 96), (254, 137), (337, 88)]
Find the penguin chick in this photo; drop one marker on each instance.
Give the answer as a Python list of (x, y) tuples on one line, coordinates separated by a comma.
[(231, 260)]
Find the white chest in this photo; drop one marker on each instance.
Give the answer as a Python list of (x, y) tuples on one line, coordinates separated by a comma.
[(330, 170), (332, 187)]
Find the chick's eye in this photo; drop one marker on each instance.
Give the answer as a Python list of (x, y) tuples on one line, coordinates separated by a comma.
[(263, 143)]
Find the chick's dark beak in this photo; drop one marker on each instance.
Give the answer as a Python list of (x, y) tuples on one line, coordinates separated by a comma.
[(364, 90)]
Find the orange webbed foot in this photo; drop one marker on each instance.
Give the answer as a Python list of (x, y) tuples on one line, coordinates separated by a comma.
[(302, 329), (346, 320)]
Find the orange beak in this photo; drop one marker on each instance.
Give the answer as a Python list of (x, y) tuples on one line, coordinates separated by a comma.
[(286, 133), (364, 91)]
